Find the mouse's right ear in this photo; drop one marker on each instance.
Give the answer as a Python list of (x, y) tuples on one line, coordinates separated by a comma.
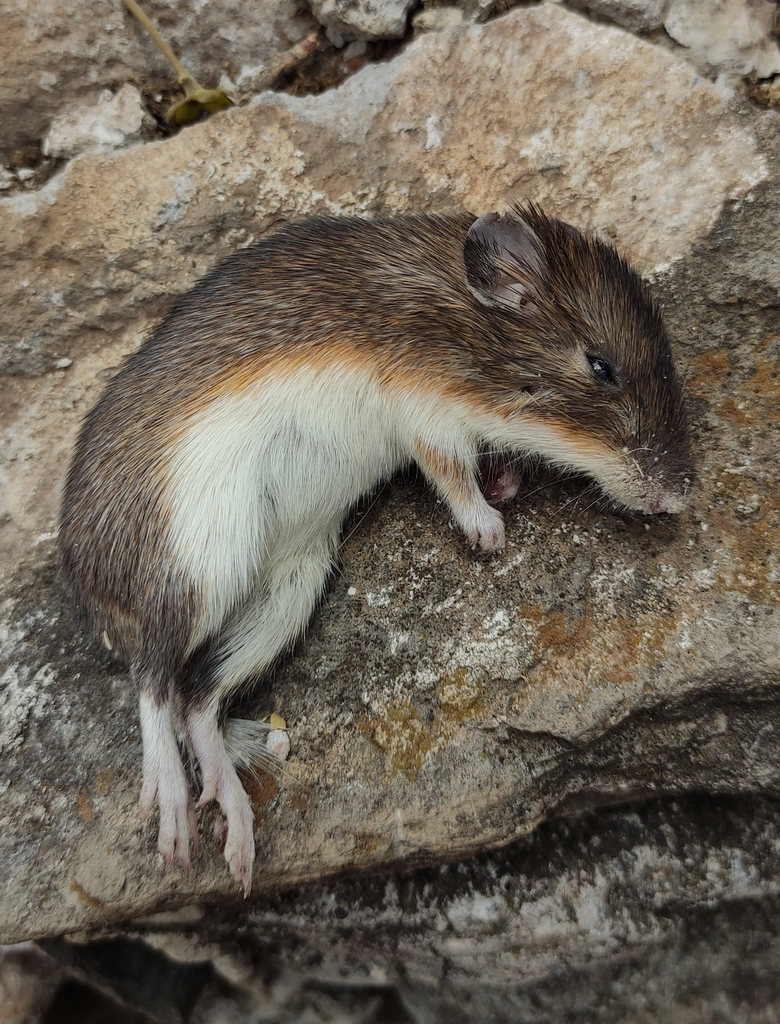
[(505, 262)]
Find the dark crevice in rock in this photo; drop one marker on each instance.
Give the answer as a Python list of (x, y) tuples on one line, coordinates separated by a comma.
[(689, 920)]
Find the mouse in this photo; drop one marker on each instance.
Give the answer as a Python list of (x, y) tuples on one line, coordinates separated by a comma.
[(203, 505)]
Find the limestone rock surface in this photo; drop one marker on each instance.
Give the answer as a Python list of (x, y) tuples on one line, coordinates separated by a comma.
[(635, 15), (113, 121), (362, 19), (662, 910), (728, 36), (619, 915), (441, 703), (609, 132), (58, 55)]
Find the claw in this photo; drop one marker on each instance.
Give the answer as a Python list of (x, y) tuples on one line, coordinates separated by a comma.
[(209, 792), (242, 873)]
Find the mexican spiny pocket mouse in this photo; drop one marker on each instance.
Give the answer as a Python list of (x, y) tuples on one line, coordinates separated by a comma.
[(204, 502)]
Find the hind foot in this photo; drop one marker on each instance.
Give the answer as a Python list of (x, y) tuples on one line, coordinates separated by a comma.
[(165, 783), (178, 830), (221, 783), (237, 828)]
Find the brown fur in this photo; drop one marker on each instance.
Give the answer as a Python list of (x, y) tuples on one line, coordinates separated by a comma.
[(386, 295)]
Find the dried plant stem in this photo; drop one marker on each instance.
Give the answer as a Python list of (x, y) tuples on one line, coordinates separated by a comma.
[(181, 71), (287, 61), (196, 98)]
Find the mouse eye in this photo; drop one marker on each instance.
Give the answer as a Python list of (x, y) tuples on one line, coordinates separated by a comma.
[(601, 368)]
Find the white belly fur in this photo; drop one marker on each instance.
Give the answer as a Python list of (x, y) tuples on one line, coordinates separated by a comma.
[(262, 470)]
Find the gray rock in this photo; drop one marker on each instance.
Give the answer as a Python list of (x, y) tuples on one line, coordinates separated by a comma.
[(442, 704), (58, 55), (731, 37), (115, 120), (436, 19), (635, 15), (28, 982), (666, 910), (362, 19)]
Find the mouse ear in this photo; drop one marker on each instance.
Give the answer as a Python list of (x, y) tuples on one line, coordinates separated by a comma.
[(505, 262)]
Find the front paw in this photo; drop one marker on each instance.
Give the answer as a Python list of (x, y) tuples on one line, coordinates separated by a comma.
[(498, 480), (487, 530)]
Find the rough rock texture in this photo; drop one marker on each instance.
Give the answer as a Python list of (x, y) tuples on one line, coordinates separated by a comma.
[(58, 55), (611, 132), (664, 911), (110, 123), (28, 982), (442, 703), (362, 19), (614, 916), (732, 37), (722, 37), (635, 15)]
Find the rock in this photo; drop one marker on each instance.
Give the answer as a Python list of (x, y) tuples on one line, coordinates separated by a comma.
[(635, 15), (724, 37), (436, 19), (732, 37), (28, 981), (93, 257), (58, 55), (113, 121), (664, 910), (605, 913), (362, 19), (442, 704)]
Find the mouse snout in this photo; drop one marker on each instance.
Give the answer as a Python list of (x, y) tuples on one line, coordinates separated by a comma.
[(664, 488), (658, 503)]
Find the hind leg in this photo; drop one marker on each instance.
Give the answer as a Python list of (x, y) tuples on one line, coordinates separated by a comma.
[(270, 621), (221, 783), (164, 779)]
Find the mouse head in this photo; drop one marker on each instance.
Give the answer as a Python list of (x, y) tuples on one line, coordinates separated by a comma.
[(575, 336)]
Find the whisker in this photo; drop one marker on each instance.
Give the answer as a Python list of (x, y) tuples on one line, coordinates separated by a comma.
[(267, 762), (537, 490), (599, 498), (363, 513), (566, 505)]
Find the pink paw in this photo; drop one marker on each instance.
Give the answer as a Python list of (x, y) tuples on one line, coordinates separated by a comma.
[(178, 828), (498, 480), (486, 531), (235, 825)]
